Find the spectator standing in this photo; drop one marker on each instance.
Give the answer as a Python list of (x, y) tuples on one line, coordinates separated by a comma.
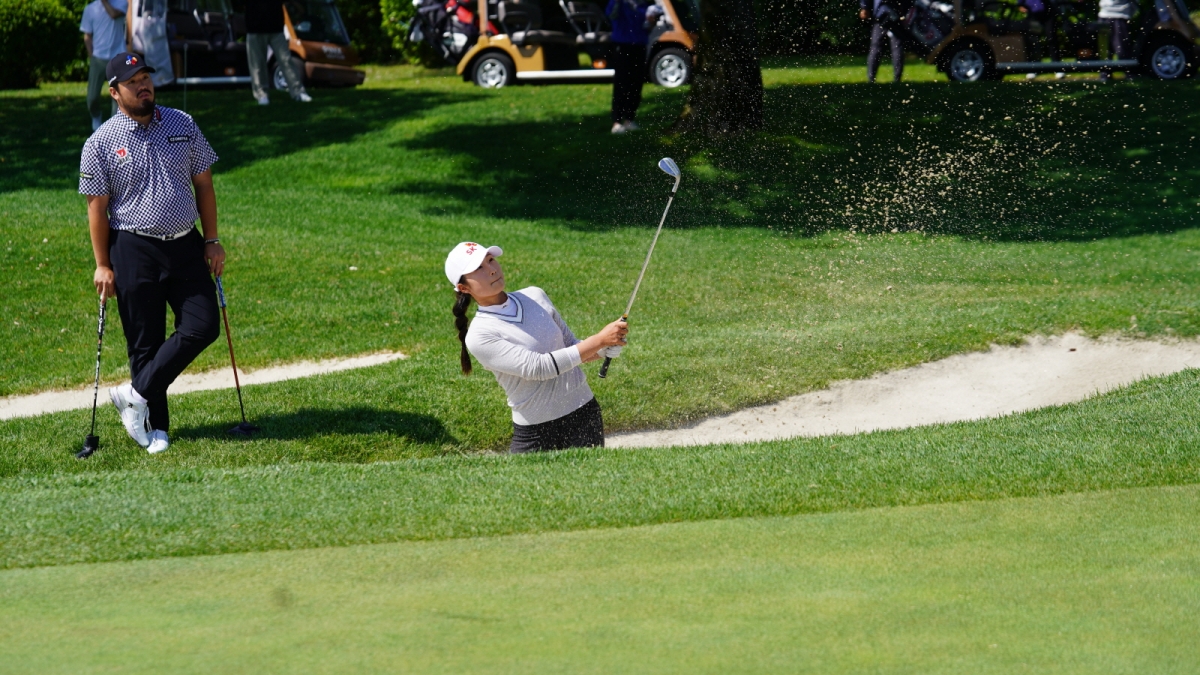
[(883, 14), (1117, 14), (103, 28), (147, 25), (631, 21), (1046, 16), (264, 28)]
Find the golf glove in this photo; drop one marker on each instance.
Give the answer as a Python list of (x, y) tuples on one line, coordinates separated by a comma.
[(611, 352)]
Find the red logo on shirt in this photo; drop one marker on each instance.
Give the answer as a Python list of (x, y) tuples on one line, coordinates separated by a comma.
[(121, 153)]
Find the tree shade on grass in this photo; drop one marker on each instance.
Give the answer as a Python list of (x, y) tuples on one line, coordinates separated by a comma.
[(185, 504), (1096, 583)]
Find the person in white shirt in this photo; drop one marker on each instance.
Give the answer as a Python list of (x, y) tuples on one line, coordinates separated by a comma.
[(103, 28), (520, 337), (147, 22)]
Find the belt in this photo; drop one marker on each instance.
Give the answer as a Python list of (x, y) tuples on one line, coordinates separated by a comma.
[(163, 237)]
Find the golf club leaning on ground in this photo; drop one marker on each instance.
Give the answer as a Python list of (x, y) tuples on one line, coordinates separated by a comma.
[(245, 428), (92, 442), (672, 169)]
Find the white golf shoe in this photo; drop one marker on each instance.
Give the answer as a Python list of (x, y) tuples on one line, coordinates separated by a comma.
[(133, 415), (304, 98), (263, 100), (618, 128), (158, 442)]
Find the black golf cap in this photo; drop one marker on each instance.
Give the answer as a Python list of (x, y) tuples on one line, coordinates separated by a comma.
[(124, 66)]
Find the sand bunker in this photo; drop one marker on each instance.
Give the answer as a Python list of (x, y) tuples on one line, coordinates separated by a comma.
[(1001, 381), (54, 401)]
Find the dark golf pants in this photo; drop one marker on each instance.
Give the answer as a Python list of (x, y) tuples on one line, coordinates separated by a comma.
[(151, 275), (629, 64), (583, 428), (878, 31)]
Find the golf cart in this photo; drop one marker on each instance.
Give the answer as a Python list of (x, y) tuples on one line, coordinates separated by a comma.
[(208, 45), (973, 40), (495, 43)]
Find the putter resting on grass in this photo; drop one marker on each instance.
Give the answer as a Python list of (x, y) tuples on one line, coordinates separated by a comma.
[(245, 428), (668, 165), (92, 442)]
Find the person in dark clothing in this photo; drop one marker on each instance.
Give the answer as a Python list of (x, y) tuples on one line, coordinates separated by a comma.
[(264, 28), (1041, 12), (631, 21), (883, 14)]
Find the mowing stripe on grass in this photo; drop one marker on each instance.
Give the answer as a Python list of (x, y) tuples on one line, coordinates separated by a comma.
[(1144, 435), (1094, 583)]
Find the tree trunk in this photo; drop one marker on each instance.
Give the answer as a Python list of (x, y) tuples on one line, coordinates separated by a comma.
[(727, 89)]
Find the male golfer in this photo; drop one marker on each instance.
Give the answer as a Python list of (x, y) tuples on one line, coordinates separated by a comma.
[(146, 176)]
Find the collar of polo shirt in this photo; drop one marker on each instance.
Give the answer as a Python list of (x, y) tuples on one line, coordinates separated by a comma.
[(132, 124)]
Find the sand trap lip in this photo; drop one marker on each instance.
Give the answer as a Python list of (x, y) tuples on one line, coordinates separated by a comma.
[(55, 401), (1004, 380)]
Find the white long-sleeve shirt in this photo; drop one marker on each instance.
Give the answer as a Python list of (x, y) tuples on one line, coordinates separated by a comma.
[(1117, 9), (528, 347)]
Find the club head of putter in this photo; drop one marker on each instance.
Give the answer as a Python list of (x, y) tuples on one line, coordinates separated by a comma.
[(90, 444), (669, 166), (243, 430)]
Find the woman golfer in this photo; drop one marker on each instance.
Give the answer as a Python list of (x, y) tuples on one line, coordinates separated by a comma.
[(523, 340)]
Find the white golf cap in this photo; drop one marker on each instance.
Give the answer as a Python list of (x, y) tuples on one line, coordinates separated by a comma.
[(466, 258)]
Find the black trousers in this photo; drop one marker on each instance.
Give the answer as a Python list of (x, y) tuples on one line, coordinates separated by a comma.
[(1120, 37), (877, 32), (629, 62), (583, 428), (152, 274)]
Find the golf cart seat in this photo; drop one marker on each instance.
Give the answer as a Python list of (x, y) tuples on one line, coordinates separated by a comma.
[(522, 21), (588, 20)]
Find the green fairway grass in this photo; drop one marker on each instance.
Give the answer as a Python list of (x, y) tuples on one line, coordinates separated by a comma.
[(124, 504), (779, 272), (1097, 583)]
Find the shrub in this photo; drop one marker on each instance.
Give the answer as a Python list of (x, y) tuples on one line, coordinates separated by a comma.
[(37, 38)]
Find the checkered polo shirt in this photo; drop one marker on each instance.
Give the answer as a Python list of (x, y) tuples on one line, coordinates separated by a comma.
[(147, 171)]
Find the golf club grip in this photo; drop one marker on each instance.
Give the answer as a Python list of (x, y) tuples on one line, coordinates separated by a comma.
[(604, 366)]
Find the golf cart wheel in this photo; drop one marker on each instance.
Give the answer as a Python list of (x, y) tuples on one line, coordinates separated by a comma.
[(671, 67), (493, 71), (278, 81), (1168, 57), (969, 61)]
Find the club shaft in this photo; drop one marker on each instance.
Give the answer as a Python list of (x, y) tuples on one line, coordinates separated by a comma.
[(99, 347), (233, 362), (646, 264)]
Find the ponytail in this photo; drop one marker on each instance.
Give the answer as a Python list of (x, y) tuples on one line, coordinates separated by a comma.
[(461, 303)]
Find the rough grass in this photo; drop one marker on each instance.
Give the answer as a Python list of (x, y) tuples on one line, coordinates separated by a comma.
[(63, 511), (1097, 583), (779, 274)]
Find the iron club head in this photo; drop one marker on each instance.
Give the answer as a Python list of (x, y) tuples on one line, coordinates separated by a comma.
[(669, 166), (243, 430), (90, 444)]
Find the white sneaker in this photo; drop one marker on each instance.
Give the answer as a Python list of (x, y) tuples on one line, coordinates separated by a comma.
[(632, 126), (304, 98), (1059, 76), (618, 128), (1031, 76), (133, 415), (264, 100), (158, 442)]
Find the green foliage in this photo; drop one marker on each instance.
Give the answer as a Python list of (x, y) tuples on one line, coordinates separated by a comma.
[(811, 27), (364, 22), (397, 15), (38, 38)]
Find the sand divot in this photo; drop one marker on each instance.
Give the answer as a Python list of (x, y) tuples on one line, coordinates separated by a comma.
[(55, 401), (1004, 380)]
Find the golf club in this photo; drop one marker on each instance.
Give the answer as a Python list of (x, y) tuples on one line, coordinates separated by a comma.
[(92, 442), (245, 428), (667, 165)]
